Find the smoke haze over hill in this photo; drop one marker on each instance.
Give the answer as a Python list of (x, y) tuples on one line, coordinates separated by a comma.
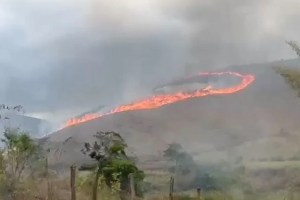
[(61, 58)]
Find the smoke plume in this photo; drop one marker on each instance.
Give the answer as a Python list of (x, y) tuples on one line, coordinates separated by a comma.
[(61, 58)]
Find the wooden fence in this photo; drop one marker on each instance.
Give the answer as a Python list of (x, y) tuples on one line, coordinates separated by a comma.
[(73, 170)]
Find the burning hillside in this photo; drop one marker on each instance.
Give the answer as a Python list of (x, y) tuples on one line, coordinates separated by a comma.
[(159, 100)]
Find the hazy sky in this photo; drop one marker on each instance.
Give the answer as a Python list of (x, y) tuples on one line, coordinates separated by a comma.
[(60, 57)]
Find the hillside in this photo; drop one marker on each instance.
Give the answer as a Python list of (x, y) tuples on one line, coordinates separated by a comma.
[(260, 121), (36, 127)]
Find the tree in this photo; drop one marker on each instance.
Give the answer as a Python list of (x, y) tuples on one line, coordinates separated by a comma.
[(173, 151), (294, 46), (112, 162), (291, 75), (184, 162), (19, 148), (16, 155)]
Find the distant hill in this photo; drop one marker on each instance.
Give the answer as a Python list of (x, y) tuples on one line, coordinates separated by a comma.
[(36, 127), (262, 120)]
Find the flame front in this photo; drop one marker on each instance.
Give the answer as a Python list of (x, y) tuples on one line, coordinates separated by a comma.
[(161, 100)]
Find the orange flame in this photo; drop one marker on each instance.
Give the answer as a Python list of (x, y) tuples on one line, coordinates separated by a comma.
[(161, 100), (82, 119)]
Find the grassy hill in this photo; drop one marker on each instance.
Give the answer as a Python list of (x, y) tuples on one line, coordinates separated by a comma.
[(261, 121)]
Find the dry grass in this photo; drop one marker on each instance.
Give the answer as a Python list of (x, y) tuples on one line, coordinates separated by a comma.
[(267, 177)]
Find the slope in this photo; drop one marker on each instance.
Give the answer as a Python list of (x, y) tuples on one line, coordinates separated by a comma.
[(259, 121)]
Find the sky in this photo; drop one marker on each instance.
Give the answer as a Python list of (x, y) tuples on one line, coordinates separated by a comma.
[(59, 58)]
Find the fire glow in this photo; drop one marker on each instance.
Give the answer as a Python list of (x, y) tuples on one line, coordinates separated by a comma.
[(164, 99)]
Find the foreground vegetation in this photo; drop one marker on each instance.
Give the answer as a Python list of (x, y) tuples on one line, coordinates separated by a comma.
[(25, 174), (291, 75)]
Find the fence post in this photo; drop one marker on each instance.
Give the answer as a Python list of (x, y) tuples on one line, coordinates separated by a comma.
[(199, 193), (132, 186), (73, 179), (95, 186), (171, 188), (47, 178)]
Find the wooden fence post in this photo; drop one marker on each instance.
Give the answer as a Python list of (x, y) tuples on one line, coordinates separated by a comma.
[(47, 178), (132, 186), (199, 193), (171, 188), (73, 179), (95, 185)]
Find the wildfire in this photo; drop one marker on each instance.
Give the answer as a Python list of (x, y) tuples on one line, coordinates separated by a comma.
[(161, 100)]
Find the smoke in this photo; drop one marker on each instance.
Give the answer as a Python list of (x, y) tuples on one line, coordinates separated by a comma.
[(65, 57), (236, 32)]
